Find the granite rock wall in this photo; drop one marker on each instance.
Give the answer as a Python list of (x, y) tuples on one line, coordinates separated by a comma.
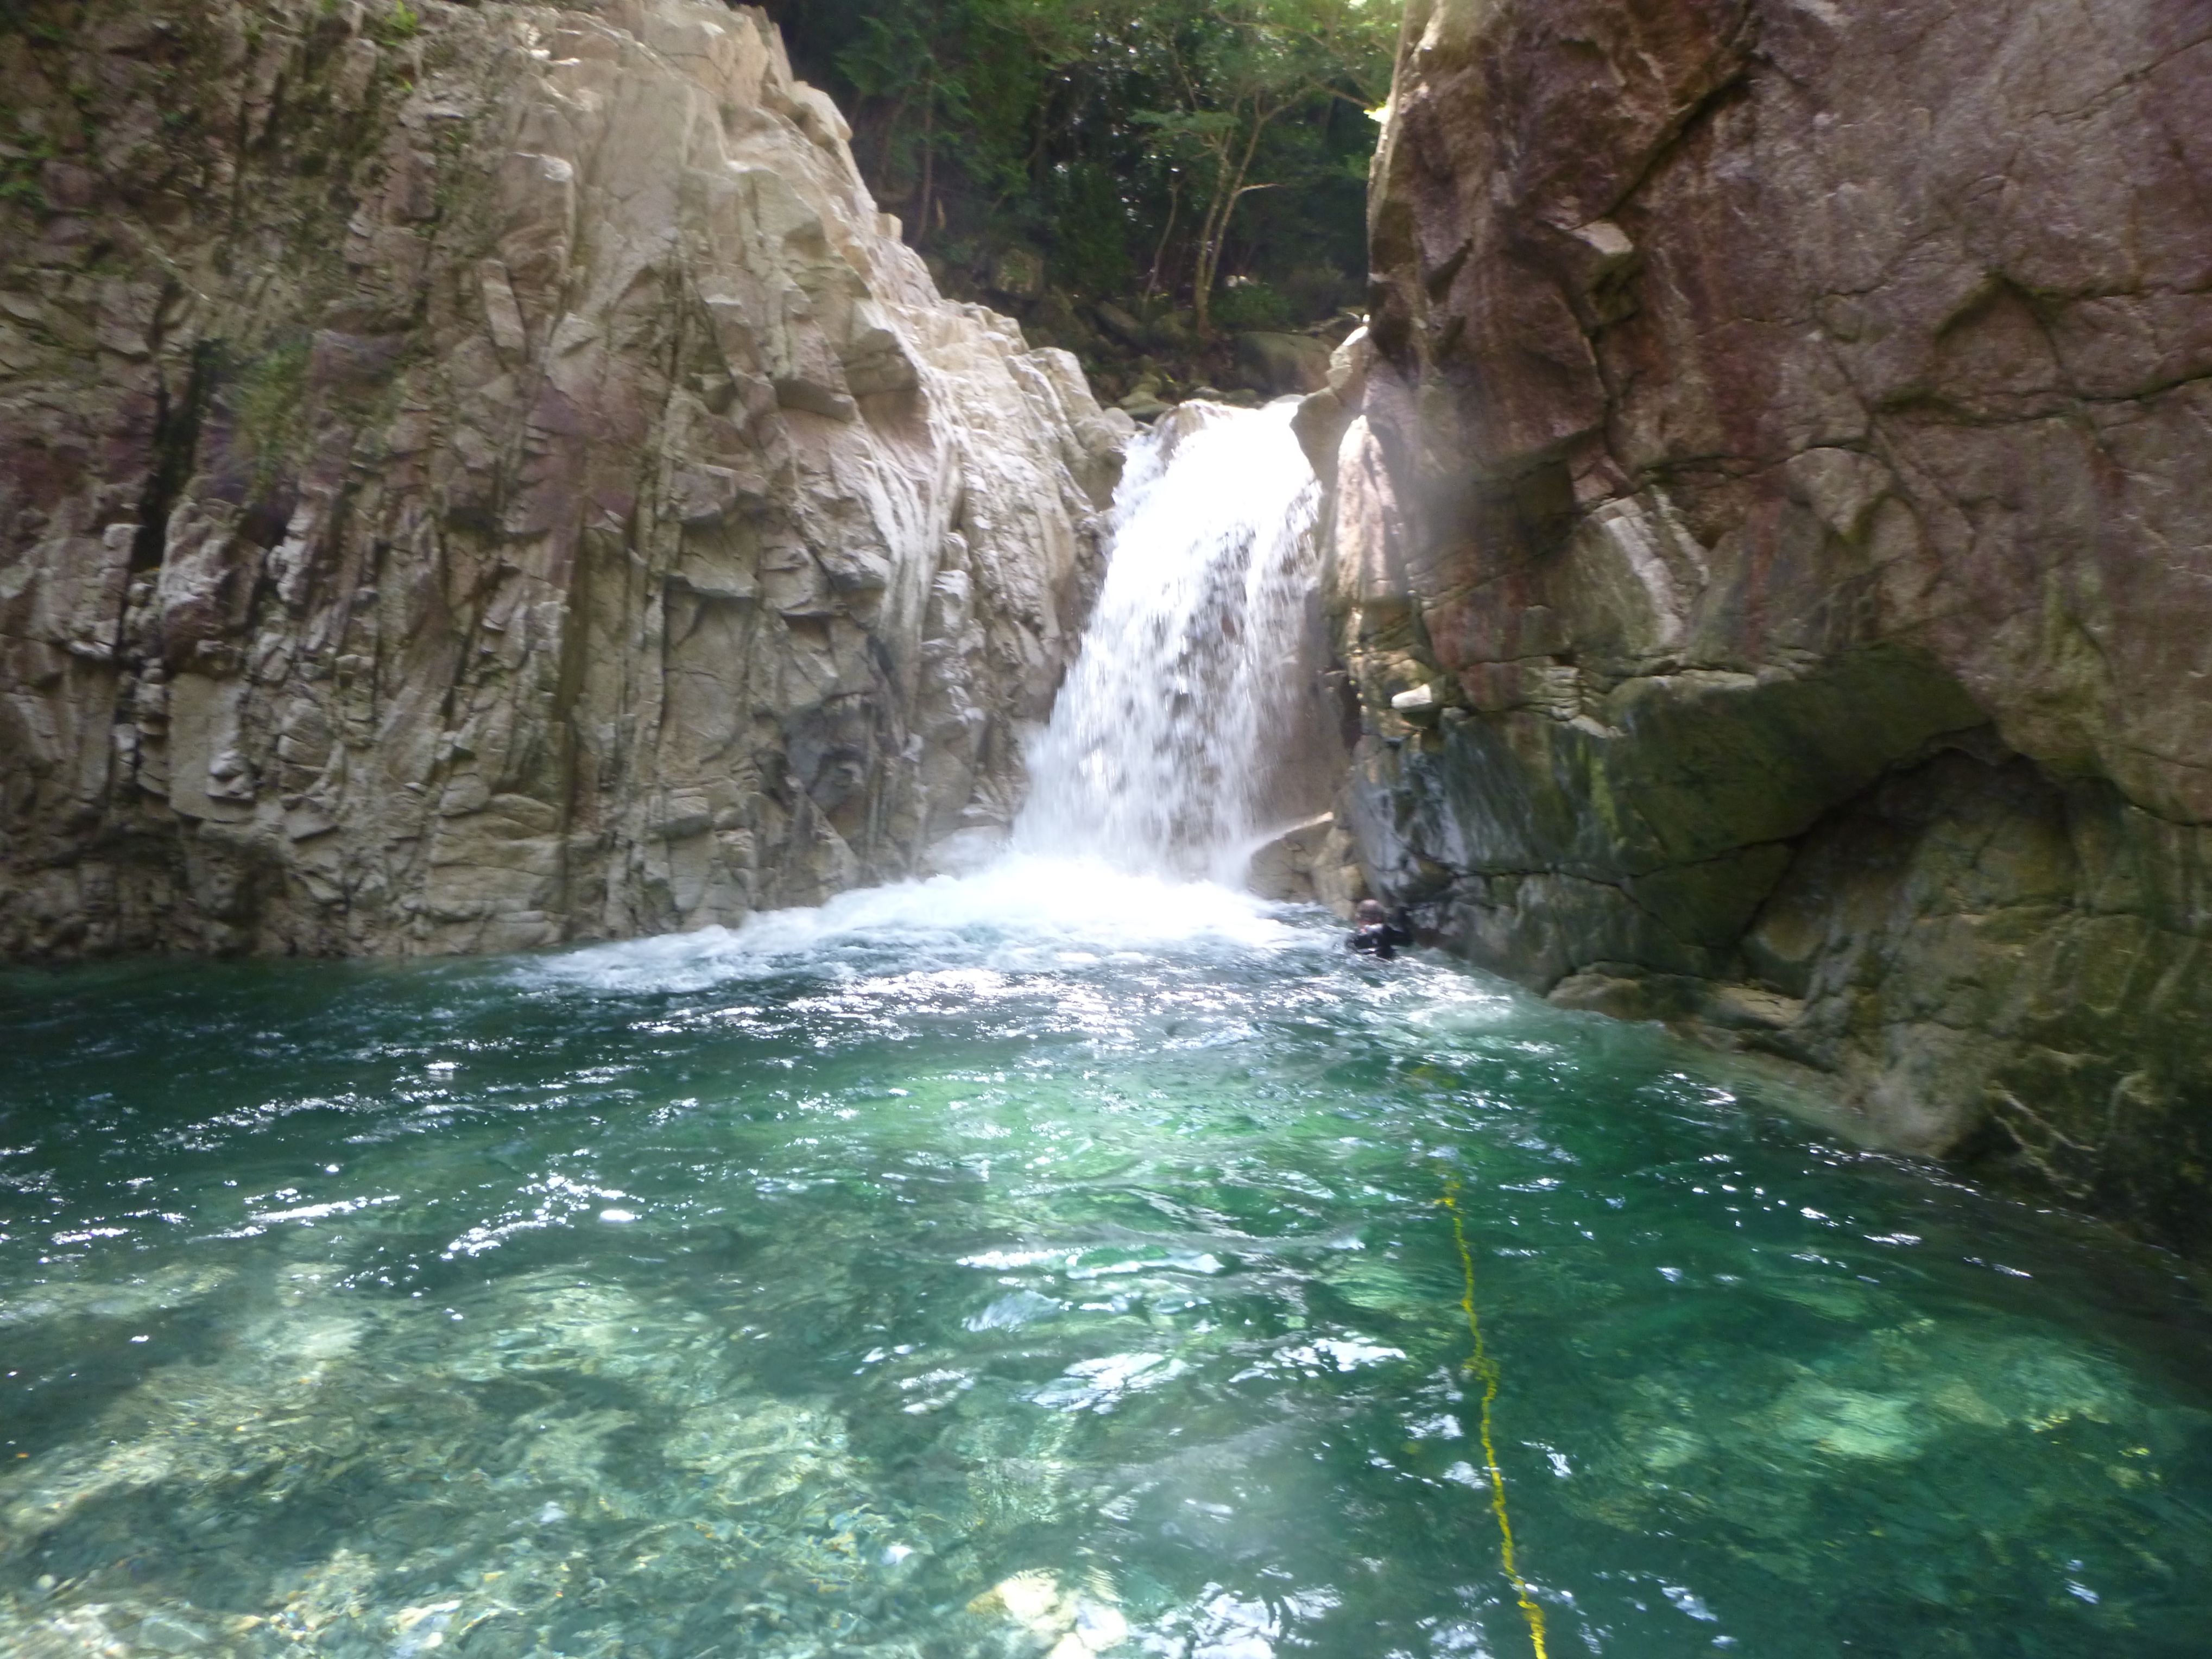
[(474, 477), (1774, 541)]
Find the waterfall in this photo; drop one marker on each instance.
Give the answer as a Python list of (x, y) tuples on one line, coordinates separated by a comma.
[(1169, 749)]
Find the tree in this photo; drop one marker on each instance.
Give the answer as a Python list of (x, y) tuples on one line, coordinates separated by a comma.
[(1116, 136), (1237, 69)]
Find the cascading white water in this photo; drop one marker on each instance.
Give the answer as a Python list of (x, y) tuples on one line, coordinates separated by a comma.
[(1163, 746)]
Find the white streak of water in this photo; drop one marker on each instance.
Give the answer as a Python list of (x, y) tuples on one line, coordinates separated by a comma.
[(1166, 740)]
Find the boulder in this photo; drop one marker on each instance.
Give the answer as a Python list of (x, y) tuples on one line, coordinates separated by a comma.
[(1018, 273), (1122, 326), (1310, 863), (1282, 363), (1146, 400)]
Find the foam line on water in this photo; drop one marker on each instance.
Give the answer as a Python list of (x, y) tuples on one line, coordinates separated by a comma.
[(1004, 915)]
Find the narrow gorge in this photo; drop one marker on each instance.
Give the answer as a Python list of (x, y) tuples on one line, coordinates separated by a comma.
[(674, 978)]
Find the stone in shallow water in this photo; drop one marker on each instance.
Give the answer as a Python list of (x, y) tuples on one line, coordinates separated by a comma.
[(1076, 1623), (1847, 1422), (166, 1633)]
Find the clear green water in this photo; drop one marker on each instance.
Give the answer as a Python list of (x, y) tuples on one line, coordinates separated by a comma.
[(783, 1295)]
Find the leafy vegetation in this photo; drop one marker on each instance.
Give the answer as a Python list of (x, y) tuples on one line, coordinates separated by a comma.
[(402, 23), (265, 402), (20, 172), (1146, 149)]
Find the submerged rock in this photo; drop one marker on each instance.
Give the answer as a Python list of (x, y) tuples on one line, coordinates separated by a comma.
[(1776, 475), (471, 478)]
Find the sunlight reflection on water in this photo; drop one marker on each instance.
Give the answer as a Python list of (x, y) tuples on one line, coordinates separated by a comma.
[(1047, 1262)]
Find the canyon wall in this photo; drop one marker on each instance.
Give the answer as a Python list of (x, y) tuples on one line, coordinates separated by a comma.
[(474, 476), (1773, 542)]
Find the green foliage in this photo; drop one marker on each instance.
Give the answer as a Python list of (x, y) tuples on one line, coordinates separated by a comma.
[(1252, 305), (1153, 143), (1089, 230), (403, 22), (22, 174), (16, 19), (264, 400)]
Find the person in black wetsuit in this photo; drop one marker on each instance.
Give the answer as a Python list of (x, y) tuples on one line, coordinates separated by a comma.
[(1375, 933)]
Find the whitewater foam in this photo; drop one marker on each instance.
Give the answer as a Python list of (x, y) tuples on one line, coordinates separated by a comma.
[(1023, 912)]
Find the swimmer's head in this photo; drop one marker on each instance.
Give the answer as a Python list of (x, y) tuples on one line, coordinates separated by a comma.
[(1369, 913)]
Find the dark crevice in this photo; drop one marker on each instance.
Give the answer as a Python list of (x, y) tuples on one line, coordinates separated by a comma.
[(1438, 282), (176, 443), (1733, 83)]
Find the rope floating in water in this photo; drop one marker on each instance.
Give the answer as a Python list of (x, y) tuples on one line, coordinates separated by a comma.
[(1485, 1370)]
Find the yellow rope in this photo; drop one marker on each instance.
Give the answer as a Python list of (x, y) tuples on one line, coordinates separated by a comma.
[(1486, 1369)]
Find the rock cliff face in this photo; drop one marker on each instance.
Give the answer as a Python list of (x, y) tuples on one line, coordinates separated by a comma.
[(474, 476), (1775, 547)]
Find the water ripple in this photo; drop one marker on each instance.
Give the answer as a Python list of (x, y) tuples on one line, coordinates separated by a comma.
[(981, 1266)]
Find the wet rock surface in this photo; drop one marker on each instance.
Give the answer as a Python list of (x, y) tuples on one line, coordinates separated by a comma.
[(1771, 543), (474, 477)]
